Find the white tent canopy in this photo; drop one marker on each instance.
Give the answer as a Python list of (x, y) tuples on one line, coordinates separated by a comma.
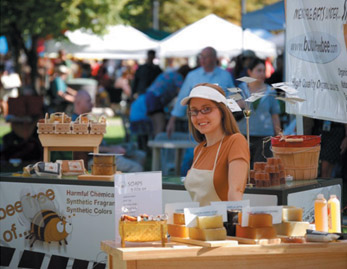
[(227, 38), (121, 42)]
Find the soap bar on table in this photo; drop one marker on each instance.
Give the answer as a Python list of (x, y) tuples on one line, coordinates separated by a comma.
[(210, 222), (178, 218), (291, 214), (292, 228), (256, 233), (207, 234), (178, 230), (259, 220)]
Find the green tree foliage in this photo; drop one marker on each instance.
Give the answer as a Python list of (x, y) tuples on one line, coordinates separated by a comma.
[(175, 14), (33, 19)]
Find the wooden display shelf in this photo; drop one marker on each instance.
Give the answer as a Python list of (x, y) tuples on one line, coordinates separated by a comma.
[(250, 241), (307, 255), (211, 244), (69, 142)]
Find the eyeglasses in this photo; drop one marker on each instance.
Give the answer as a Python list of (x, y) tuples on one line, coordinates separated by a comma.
[(204, 111)]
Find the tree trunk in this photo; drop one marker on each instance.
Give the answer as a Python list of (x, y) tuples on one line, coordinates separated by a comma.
[(32, 62), (18, 44)]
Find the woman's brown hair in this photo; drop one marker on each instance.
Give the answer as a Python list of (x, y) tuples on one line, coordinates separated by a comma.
[(229, 123)]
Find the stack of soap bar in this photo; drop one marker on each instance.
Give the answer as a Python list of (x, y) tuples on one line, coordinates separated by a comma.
[(208, 228), (292, 228), (259, 227), (292, 224), (178, 229)]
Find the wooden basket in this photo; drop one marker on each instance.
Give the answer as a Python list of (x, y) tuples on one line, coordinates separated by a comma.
[(45, 127), (98, 127), (60, 126), (79, 126), (143, 231), (301, 162)]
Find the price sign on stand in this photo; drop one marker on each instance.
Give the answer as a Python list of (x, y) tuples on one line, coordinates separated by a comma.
[(137, 193)]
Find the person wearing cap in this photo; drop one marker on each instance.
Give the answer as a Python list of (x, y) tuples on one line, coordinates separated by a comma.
[(208, 72), (221, 159), (60, 92)]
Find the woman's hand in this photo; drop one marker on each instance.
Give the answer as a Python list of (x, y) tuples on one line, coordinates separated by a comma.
[(276, 123), (237, 179)]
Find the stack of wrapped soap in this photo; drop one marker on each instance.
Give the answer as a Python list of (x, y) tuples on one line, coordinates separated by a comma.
[(104, 164), (259, 227), (292, 224), (178, 229), (208, 228), (266, 174)]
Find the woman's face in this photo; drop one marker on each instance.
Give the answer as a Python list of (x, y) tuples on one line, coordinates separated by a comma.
[(258, 72), (208, 121)]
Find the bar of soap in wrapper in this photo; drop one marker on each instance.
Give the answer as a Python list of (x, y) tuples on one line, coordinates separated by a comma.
[(72, 167), (43, 169)]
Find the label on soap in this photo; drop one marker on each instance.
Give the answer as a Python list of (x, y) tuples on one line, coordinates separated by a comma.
[(172, 208), (275, 211), (190, 214), (233, 205)]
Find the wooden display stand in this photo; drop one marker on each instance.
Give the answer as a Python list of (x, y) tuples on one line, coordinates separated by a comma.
[(308, 255), (69, 142)]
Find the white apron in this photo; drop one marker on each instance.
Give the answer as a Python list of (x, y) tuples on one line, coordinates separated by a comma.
[(199, 183)]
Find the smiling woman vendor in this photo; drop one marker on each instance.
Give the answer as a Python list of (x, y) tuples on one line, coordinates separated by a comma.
[(221, 160)]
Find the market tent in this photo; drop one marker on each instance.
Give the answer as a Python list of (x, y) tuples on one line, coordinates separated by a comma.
[(227, 38), (270, 18), (52, 46), (121, 42)]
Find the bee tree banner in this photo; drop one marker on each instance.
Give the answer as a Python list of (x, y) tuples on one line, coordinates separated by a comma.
[(54, 225), (316, 57)]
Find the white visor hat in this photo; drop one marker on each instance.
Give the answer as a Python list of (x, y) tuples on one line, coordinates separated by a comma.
[(205, 92)]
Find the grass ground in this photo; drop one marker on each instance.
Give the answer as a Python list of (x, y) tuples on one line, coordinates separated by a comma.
[(115, 132), (115, 135)]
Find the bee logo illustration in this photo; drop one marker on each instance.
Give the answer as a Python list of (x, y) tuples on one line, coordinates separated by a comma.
[(45, 224)]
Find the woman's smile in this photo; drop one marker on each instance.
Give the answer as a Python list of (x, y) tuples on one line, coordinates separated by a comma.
[(205, 116)]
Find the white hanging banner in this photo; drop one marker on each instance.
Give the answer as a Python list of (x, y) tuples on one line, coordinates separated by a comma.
[(316, 57), (137, 193)]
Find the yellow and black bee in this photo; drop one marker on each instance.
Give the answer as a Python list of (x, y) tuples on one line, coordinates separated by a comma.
[(45, 224)]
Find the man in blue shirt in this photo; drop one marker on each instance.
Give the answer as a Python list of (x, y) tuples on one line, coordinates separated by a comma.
[(208, 72), (61, 94)]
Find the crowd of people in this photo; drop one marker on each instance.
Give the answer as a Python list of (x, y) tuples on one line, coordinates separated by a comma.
[(150, 98)]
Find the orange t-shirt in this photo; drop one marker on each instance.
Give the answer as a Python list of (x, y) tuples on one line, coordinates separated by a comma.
[(233, 147)]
